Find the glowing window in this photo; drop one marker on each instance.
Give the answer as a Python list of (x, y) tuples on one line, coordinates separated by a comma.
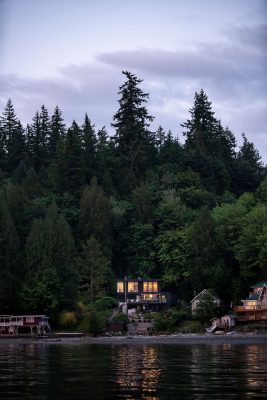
[(150, 286), (120, 287), (133, 287)]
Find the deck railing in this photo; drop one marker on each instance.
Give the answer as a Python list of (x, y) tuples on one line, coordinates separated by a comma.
[(254, 317), (238, 309), (157, 301)]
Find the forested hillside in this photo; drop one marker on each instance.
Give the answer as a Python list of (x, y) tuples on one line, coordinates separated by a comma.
[(80, 207)]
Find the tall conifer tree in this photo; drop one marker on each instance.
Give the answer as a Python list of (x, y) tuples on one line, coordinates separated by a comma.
[(132, 137), (57, 130), (38, 134), (89, 142)]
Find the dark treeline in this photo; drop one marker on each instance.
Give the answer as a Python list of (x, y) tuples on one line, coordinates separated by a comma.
[(79, 207)]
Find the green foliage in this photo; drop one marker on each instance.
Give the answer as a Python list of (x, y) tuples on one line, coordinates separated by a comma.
[(93, 322), (120, 317), (49, 255), (105, 303), (95, 214), (249, 248), (141, 259), (249, 168), (78, 207), (170, 320), (89, 142), (95, 271), (206, 308), (161, 324), (190, 326), (132, 138), (10, 274), (173, 248), (57, 130)]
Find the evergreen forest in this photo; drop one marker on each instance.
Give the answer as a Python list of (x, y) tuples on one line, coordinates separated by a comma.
[(80, 207)]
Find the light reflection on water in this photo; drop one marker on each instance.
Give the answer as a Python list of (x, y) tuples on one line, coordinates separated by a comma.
[(137, 371), (133, 371)]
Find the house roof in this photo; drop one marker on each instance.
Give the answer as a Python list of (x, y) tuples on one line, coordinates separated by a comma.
[(137, 280), (203, 292), (259, 284), (229, 316), (253, 297)]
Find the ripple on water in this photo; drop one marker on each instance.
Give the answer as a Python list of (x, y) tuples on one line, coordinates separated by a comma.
[(151, 372)]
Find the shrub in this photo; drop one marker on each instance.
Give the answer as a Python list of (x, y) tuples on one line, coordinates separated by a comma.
[(94, 322), (67, 319), (81, 307), (105, 303), (120, 317), (161, 324), (190, 327)]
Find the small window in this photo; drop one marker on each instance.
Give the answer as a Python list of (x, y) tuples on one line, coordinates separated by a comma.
[(29, 319), (150, 286), (120, 287), (133, 287)]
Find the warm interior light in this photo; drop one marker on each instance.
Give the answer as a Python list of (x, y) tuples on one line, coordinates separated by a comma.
[(120, 287), (150, 286), (133, 287)]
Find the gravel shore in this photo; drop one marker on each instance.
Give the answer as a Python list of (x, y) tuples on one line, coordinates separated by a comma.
[(179, 339)]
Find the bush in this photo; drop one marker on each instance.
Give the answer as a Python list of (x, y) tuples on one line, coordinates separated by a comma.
[(94, 322), (81, 308), (170, 320), (120, 317), (67, 319), (105, 303), (190, 327), (161, 324), (175, 316)]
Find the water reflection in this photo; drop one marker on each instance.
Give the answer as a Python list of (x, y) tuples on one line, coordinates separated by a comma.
[(254, 358), (138, 371), (229, 371), (151, 372)]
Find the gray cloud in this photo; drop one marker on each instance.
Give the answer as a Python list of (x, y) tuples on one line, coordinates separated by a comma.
[(227, 64), (249, 35), (76, 90), (231, 72)]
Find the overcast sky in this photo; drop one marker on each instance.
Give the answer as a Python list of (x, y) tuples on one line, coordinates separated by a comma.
[(71, 53)]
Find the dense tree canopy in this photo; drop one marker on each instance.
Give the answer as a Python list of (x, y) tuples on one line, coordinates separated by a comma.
[(79, 207)]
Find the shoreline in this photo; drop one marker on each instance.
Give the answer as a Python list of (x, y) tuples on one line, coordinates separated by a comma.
[(178, 339)]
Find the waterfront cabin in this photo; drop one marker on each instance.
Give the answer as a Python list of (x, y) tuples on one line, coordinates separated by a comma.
[(203, 296), (24, 324), (254, 307), (141, 294)]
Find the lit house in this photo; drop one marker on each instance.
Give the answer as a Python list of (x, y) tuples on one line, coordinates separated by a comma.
[(254, 307), (142, 294)]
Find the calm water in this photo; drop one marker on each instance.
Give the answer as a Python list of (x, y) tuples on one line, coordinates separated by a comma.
[(152, 372)]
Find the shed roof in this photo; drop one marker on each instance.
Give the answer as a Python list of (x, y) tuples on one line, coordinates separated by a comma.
[(203, 292), (253, 297)]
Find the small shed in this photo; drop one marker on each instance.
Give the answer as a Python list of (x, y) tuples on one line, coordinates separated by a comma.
[(202, 296), (228, 320)]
